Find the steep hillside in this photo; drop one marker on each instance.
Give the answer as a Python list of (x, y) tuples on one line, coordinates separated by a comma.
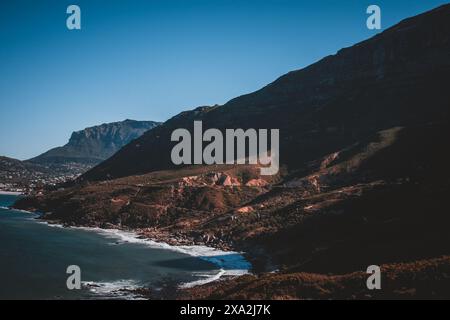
[(397, 78)]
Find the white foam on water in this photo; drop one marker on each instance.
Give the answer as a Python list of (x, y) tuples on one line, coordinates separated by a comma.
[(18, 210), (207, 278), (53, 225), (230, 263), (121, 289)]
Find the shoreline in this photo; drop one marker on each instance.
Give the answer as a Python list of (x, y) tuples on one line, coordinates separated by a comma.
[(229, 263)]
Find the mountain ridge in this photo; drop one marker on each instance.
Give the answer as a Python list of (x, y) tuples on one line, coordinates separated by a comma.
[(95, 144), (85, 149), (331, 103)]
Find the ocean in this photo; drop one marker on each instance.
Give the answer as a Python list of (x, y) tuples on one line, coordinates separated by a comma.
[(34, 257)]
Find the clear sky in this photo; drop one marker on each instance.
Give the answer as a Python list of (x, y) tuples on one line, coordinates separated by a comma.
[(149, 60)]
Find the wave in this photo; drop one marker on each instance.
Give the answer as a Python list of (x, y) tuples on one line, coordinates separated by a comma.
[(207, 278), (230, 263), (51, 225), (121, 289), (16, 210)]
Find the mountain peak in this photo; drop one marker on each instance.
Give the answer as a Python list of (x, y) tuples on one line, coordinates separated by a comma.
[(94, 144)]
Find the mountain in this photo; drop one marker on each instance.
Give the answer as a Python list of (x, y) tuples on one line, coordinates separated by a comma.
[(365, 177), (95, 144), (397, 78), (85, 149)]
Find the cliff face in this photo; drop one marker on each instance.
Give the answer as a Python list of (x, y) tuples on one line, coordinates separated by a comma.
[(95, 144), (397, 78)]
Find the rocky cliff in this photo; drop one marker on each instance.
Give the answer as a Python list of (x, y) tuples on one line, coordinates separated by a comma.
[(95, 144)]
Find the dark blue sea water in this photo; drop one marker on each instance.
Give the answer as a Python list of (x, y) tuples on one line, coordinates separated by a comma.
[(34, 257)]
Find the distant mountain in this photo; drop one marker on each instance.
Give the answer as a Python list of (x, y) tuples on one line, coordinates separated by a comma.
[(85, 149), (397, 78), (95, 144)]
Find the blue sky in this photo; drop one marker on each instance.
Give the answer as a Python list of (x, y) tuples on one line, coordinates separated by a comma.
[(149, 60)]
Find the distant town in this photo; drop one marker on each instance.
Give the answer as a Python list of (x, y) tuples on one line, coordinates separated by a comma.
[(26, 178)]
